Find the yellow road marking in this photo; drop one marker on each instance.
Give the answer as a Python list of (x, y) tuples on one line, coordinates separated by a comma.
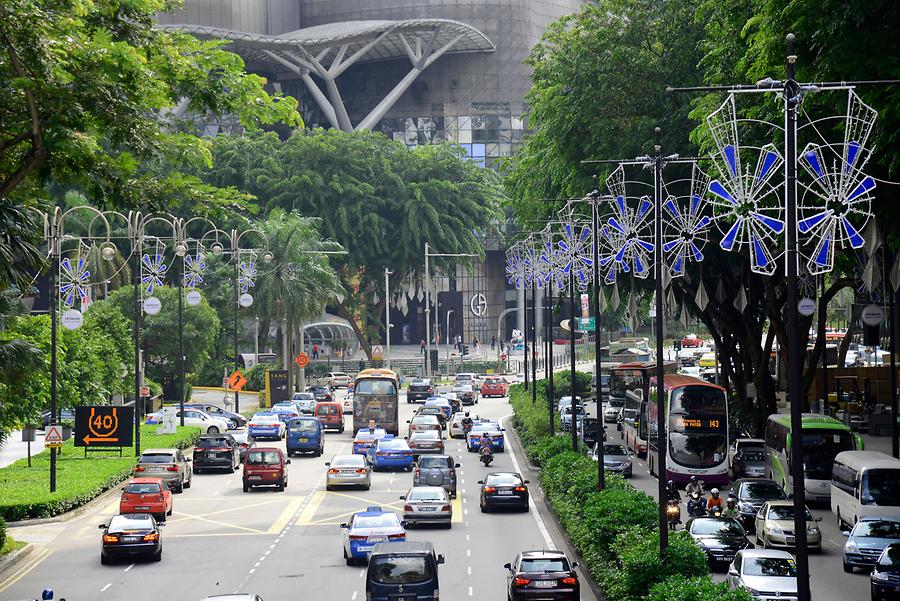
[(285, 516), (457, 510), (227, 525), (32, 563), (221, 511), (310, 510)]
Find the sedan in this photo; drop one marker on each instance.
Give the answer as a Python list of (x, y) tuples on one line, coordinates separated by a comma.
[(466, 393), (775, 526), (348, 470), (130, 535), (266, 425), (391, 453), (751, 494), (869, 537), (442, 403), (216, 451), (749, 463), (347, 405), (720, 538), (455, 429), (427, 505), (424, 422), (613, 410), (436, 411), (544, 575), (885, 577), (286, 410), (367, 438), (419, 390), (764, 572), (322, 394), (368, 528), (425, 443), (244, 441), (616, 459), (503, 489), (491, 430), (238, 420), (146, 495), (305, 401)]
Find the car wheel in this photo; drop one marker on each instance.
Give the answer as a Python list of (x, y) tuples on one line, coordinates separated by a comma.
[(196, 470), (180, 488), (104, 560), (840, 522), (187, 483), (348, 559), (171, 509), (328, 488), (212, 430), (765, 542), (847, 567), (484, 509), (246, 488), (158, 556)]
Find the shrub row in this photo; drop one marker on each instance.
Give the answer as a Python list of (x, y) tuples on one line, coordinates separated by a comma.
[(80, 479), (614, 530)]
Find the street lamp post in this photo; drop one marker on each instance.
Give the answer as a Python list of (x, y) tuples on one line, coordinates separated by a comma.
[(387, 315), (533, 343), (447, 337)]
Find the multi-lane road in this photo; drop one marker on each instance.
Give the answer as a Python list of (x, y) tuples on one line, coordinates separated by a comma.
[(284, 545)]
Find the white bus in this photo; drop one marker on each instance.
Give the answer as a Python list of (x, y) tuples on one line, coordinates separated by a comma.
[(864, 484)]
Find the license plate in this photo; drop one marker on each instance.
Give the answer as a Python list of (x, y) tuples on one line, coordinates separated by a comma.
[(131, 539), (255, 477), (304, 440), (544, 583), (789, 539), (347, 472), (403, 599), (504, 492), (427, 508), (142, 507), (376, 539), (156, 469)]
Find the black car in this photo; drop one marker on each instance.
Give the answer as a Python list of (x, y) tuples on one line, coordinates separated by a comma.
[(886, 574), (503, 489), (216, 451), (720, 538), (419, 390), (403, 571), (544, 575), (244, 441), (751, 493), (322, 394), (130, 535)]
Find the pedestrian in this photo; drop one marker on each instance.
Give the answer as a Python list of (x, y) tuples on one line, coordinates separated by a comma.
[(315, 351), (493, 342), (475, 343), (422, 347)]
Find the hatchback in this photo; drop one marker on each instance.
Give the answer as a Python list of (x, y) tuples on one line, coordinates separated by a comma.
[(146, 495), (885, 578), (331, 415), (869, 537), (427, 505), (544, 575), (764, 573), (265, 466), (403, 571), (169, 465)]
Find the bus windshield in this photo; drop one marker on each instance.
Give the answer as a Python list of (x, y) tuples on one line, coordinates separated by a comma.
[(374, 387), (698, 426), (820, 448), (621, 382), (881, 487)]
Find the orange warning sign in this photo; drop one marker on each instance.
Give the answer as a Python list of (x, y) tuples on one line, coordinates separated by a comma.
[(236, 380), (302, 360)]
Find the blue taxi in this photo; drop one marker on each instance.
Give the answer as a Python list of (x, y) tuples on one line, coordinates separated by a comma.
[(491, 430), (390, 452), (286, 410), (368, 528), (266, 424), (366, 439), (443, 403)]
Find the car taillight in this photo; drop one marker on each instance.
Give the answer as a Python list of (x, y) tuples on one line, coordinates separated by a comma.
[(489, 489), (151, 537), (357, 537), (569, 580), (521, 489), (407, 507), (452, 471), (334, 471), (124, 496), (110, 538), (160, 497), (172, 468), (361, 470), (522, 581), (445, 508), (139, 468), (407, 453)]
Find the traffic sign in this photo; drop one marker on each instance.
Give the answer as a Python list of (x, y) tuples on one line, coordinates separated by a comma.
[(806, 307), (104, 426), (302, 360), (377, 353), (586, 324), (872, 315), (145, 391), (53, 436), (236, 380)]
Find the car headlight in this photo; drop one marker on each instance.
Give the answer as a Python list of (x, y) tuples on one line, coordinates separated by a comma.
[(813, 530), (880, 576), (752, 591), (745, 507), (851, 547), (777, 530)]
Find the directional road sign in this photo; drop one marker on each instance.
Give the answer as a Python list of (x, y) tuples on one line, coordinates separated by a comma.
[(586, 324), (236, 380)]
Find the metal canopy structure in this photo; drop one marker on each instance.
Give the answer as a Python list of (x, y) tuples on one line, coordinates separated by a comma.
[(326, 51)]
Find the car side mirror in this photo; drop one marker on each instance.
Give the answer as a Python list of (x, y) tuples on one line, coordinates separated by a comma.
[(574, 564), (287, 461), (818, 518), (327, 464), (160, 524), (456, 465), (402, 497), (440, 558), (732, 571), (187, 459), (345, 525), (481, 482), (845, 532), (408, 421), (508, 566), (404, 523), (526, 481), (101, 526)]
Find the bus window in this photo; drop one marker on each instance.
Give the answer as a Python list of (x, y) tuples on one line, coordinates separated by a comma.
[(880, 487), (820, 448), (367, 386)]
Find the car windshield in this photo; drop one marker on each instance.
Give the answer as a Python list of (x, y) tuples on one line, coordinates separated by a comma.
[(890, 557), (724, 527), (263, 458), (617, 402), (770, 566), (877, 529), (399, 569), (556, 564), (304, 396), (486, 427), (433, 462), (426, 494), (142, 488), (348, 461), (121, 523), (375, 387), (752, 455), (614, 449), (763, 491), (307, 426), (785, 512), (427, 435), (396, 444), (157, 458), (881, 487), (284, 405), (212, 442), (432, 410), (503, 480), (385, 520), (326, 410), (425, 419)]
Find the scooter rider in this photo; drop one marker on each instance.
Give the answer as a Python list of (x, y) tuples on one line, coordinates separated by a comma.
[(466, 422), (731, 510), (696, 505), (715, 501), (694, 485), (672, 493)]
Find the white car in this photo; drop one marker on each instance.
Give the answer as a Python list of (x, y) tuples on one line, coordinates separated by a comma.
[(336, 379), (755, 570), (455, 427), (347, 405), (195, 417)]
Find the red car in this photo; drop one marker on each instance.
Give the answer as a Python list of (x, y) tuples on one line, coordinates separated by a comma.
[(146, 495), (331, 415), (691, 341), (265, 466), (494, 387)]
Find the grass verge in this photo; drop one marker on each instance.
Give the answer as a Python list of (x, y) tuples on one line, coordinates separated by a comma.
[(10, 545)]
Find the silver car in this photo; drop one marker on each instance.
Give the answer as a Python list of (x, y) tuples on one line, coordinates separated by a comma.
[(348, 470), (775, 526), (427, 505), (766, 574), (169, 465), (424, 422)]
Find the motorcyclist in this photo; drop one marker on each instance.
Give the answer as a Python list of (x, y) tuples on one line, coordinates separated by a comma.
[(696, 505), (714, 501), (694, 485), (731, 510), (672, 493), (466, 422)]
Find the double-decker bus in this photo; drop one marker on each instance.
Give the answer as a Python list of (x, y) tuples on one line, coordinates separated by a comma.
[(696, 418), (823, 438), (629, 383), (376, 396)]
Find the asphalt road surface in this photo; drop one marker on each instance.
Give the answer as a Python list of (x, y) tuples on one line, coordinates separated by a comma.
[(283, 545)]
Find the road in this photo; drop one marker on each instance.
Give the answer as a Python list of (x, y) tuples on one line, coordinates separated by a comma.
[(828, 581), (221, 540)]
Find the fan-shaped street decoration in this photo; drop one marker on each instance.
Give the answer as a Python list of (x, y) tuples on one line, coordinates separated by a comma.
[(194, 266), (74, 280), (575, 247), (629, 231), (515, 271), (153, 271), (686, 225), (247, 275)]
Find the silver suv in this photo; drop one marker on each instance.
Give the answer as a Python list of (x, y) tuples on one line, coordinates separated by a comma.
[(169, 465), (436, 470)]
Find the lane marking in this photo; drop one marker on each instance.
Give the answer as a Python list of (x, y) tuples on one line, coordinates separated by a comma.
[(306, 516), (456, 511), (542, 528), (353, 596), (470, 591), (468, 552), (226, 524), (30, 565), (103, 590), (469, 570), (129, 567), (286, 514)]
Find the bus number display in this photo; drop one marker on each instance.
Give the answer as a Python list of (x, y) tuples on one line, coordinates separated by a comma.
[(698, 423)]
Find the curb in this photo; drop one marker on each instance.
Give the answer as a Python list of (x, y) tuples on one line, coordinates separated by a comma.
[(10, 561), (72, 513)]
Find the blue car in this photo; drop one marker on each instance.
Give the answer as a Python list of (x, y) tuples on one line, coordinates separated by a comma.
[(366, 439), (286, 410), (391, 453), (266, 425), (869, 537), (489, 429), (305, 435), (443, 403), (368, 528)]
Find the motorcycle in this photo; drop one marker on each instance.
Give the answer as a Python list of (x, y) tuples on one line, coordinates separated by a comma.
[(673, 514), (715, 512), (467, 427), (487, 456), (696, 505)]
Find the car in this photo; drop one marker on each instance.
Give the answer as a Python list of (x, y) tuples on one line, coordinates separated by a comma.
[(348, 470), (169, 465), (613, 410), (426, 442), (216, 451), (490, 429), (130, 535), (146, 495), (65, 415), (368, 528), (455, 428), (424, 422), (266, 425), (749, 462), (542, 575), (305, 435), (331, 415), (347, 404), (885, 578), (436, 411), (604, 385), (285, 410), (390, 453), (764, 573), (192, 417), (215, 411), (775, 526), (588, 430), (691, 341), (466, 393), (467, 378), (436, 470), (494, 387), (305, 401), (366, 438), (265, 466), (427, 505), (566, 401), (244, 441), (740, 444), (405, 570), (617, 459), (419, 390), (322, 394), (503, 489), (565, 417), (336, 379), (720, 538), (442, 403), (869, 537), (751, 493), (454, 401), (707, 360)]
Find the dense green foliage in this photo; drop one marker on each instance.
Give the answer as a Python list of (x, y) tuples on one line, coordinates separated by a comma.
[(680, 588), (562, 385)]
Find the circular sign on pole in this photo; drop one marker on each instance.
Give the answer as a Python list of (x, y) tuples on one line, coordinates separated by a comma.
[(193, 298), (71, 319), (872, 315), (152, 305), (245, 300), (806, 306), (145, 391)]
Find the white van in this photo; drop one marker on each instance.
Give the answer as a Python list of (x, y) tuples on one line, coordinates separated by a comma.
[(864, 484)]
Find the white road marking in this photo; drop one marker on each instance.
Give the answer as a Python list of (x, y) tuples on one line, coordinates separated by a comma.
[(470, 591), (362, 573), (466, 512), (272, 546), (267, 552), (129, 567), (467, 537), (106, 587), (531, 506), (353, 596), (257, 564), (468, 553), (469, 570), (215, 492), (252, 570)]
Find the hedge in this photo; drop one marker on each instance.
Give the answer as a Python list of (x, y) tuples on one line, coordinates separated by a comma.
[(79, 479), (614, 530), (2, 532)]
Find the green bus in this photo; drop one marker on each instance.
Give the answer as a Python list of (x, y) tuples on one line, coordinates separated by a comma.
[(823, 438)]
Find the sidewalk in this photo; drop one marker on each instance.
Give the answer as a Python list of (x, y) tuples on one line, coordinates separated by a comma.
[(14, 449)]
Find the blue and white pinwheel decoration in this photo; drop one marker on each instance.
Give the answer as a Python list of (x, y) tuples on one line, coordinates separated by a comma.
[(75, 280), (515, 273), (194, 266), (247, 275), (685, 225), (153, 270), (836, 205), (750, 212), (546, 263), (575, 246), (629, 231)]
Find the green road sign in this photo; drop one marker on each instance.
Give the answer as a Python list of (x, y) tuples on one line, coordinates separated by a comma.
[(586, 324)]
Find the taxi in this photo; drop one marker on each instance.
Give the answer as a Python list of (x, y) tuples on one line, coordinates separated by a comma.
[(266, 424), (146, 495), (368, 528), (391, 453), (367, 438), (489, 429)]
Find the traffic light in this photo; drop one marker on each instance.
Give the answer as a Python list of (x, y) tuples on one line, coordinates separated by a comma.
[(677, 345), (464, 351)]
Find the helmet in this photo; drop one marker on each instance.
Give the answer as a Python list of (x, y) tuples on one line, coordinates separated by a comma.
[(730, 501), (467, 414), (695, 495), (47, 594), (670, 484), (693, 478), (715, 492)]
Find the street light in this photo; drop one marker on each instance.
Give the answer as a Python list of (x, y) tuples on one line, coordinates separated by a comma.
[(387, 315), (447, 337), (428, 254)]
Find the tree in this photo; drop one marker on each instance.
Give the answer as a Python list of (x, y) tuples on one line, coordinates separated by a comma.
[(87, 92)]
